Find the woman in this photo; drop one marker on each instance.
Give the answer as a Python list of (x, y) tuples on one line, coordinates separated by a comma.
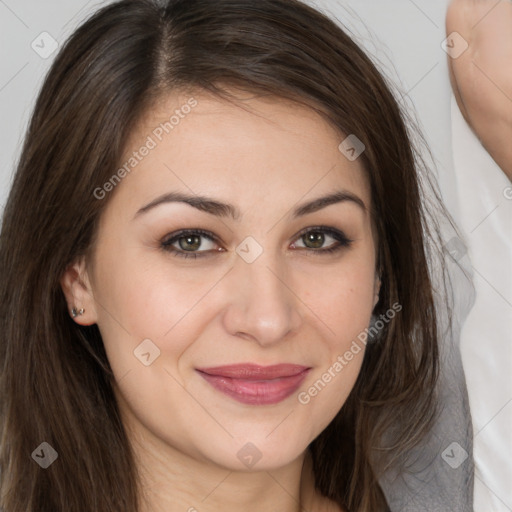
[(215, 279)]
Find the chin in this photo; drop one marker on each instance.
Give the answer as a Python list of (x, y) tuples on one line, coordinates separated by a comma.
[(256, 455)]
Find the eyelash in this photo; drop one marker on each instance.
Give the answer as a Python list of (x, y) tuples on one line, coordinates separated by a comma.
[(339, 236)]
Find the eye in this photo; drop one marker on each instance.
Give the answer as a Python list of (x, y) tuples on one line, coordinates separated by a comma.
[(188, 242), (314, 238)]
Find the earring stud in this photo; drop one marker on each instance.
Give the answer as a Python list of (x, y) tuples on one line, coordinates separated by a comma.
[(75, 312)]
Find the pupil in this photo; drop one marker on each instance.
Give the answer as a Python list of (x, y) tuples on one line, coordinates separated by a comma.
[(193, 240), (316, 239)]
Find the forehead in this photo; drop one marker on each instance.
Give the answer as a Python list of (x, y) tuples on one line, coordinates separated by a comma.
[(259, 145)]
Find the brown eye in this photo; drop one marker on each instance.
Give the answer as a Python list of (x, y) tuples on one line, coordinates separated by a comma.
[(186, 243), (314, 239), (189, 242)]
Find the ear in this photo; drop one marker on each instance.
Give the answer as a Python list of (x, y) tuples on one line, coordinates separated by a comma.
[(77, 289), (376, 288)]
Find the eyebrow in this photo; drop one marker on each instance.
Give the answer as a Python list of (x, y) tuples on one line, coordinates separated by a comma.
[(220, 209)]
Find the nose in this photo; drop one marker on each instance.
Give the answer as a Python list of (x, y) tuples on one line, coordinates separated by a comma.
[(262, 305)]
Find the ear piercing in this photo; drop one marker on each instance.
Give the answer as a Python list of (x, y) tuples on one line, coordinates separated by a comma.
[(75, 312)]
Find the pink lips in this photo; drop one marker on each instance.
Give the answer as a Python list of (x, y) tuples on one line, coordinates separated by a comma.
[(256, 385)]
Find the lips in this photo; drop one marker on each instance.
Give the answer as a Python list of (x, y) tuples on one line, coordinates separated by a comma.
[(256, 385)]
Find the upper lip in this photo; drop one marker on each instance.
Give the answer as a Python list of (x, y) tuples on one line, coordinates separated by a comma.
[(255, 372)]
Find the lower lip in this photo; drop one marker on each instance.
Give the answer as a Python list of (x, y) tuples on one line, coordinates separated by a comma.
[(257, 392)]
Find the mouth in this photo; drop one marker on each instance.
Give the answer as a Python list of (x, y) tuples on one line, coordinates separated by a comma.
[(256, 385)]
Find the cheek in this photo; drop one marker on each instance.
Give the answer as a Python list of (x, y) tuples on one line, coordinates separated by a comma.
[(341, 297), (343, 301), (140, 298), (152, 297)]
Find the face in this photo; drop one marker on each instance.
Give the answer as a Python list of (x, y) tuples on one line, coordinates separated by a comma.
[(229, 325)]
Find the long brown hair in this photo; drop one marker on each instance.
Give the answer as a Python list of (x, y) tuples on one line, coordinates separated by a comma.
[(56, 382)]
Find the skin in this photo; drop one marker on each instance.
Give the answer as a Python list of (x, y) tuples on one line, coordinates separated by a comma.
[(481, 77), (291, 305)]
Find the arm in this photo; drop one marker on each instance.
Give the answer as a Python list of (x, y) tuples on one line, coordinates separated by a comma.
[(481, 77)]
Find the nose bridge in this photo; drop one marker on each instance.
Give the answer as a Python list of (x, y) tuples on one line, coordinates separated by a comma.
[(261, 304)]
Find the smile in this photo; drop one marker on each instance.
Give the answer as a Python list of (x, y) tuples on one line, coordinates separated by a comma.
[(256, 385)]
